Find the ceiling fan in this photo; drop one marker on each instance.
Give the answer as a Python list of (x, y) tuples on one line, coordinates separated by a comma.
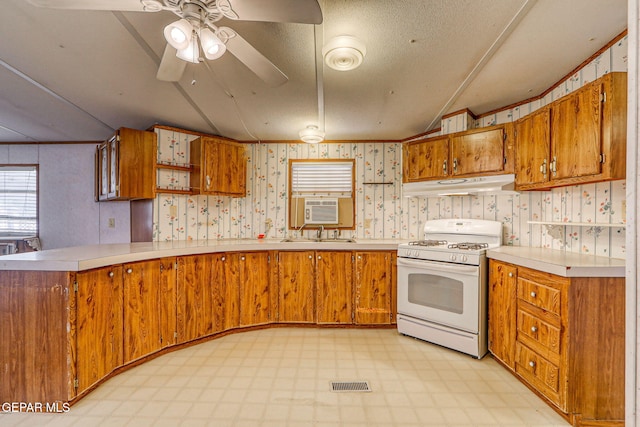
[(196, 33)]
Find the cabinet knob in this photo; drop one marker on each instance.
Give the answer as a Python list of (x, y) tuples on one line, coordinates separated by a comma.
[(129, 271), (111, 274), (310, 257), (242, 258), (444, 167), (455, 165), (533, 294), (532, 363), (319, 257), (510, 274), (534, 329), (223, 258)]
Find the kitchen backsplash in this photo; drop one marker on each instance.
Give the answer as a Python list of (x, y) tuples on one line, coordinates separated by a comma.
[(381, 211)]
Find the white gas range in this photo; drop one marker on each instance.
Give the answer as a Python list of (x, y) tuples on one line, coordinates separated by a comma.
[(442, 284)]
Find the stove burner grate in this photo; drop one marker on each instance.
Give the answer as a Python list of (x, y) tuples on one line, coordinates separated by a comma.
[(470, 246), (428, 243)]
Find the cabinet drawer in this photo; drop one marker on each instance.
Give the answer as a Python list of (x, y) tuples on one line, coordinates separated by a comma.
[(539, 295), (541, 335), (545, 376)]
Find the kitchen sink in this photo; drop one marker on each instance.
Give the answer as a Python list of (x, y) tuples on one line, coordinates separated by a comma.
[(304, 240)]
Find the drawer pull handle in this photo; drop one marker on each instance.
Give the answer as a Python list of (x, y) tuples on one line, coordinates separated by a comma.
[(534, 329), (533, 294), (510, 274), (532, 364)]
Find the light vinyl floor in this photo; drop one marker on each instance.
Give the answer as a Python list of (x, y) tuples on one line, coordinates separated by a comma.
[(281, 377)]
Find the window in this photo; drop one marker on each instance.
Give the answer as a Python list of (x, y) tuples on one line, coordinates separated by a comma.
[(322, 179), (18, 201)]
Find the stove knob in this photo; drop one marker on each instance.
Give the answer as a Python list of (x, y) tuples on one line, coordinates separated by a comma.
[(416, 253), (452, 257), (464, 258)]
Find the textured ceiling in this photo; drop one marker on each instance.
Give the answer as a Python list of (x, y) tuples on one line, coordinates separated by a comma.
[(68, 75)]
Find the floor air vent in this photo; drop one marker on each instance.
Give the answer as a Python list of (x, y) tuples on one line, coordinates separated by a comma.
[(341, 386)]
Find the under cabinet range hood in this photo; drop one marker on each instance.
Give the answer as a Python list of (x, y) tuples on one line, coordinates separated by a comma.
[(475, 186)]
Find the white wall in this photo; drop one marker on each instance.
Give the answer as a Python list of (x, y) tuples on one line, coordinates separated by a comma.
[(68, 214)]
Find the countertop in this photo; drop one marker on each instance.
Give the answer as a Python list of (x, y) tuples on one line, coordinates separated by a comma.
[(80, 258), (561, 263)]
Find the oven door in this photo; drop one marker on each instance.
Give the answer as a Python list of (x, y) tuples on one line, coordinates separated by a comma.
[(443, 293)]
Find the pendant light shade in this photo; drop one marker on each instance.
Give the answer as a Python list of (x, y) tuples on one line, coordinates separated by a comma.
[(212, 46), (191, 53), (179, 34)]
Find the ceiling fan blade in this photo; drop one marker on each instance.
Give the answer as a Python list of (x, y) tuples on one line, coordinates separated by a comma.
[(296, 11), (171, 67), (254, 60), (121, 5)]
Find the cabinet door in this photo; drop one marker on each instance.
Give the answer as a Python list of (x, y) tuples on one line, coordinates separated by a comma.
[(194, 297), (142, 312), (102, 171), (168, 301), (229, 291), (114, 167), (502, 311), (296, 287), (254, 288), (423, 160), (218, 291), (334, 284), (532, 148), (373, 288), (576, 143), (222, 166), (98, 324), (478, 152)]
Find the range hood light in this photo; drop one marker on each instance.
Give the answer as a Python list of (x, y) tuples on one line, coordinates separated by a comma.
[(482, 185)]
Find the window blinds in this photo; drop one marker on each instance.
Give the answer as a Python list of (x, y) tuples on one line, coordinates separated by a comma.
[(18, 201), (322, 178)]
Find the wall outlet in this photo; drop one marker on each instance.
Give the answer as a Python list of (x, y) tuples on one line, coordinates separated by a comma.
[(112, 223), (173, 211), (367, 223)]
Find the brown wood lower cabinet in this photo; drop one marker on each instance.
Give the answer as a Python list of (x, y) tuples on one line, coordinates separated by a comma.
[(149, 307), (563, 337), (69, 331), (373, 288), (296, 286), (99, 327)]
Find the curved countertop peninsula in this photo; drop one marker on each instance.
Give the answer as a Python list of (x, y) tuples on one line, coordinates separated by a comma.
[(81, 258)]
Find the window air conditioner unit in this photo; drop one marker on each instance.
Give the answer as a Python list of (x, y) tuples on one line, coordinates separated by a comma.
[(321, 211)]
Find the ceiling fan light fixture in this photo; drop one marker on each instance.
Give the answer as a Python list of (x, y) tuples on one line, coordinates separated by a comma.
[(178, 34), (344, 53), (212, 46), (191, 53), (311, 135)]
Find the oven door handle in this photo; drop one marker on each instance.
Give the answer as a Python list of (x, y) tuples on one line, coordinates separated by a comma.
[(453, 268)]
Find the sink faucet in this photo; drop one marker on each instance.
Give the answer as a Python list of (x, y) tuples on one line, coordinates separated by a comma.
[(299, 230), (320, 230)]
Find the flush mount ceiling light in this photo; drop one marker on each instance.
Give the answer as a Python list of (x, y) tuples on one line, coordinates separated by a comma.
[(311, 135), (344, 53)]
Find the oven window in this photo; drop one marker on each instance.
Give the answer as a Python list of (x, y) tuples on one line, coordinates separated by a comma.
[(433, 291)]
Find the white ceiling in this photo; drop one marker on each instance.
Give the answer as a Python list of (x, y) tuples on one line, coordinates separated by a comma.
[(68, 75)]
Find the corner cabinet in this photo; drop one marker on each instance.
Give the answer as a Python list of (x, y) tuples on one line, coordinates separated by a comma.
[(477, 152), (562, 337), (577, 139), (126, 166), (219, 167)]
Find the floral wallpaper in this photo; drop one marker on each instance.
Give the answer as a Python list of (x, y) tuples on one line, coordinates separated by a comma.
[(381, 211)]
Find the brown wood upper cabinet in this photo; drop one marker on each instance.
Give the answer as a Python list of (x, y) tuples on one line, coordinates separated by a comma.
[(126, 166), (579, 138), (477, 152), (220, 166)]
